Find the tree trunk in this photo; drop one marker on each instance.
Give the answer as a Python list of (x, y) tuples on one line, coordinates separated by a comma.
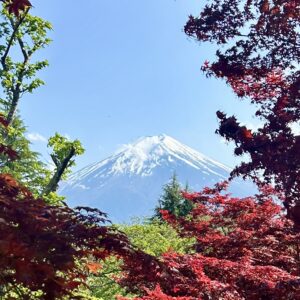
[(60, 169)]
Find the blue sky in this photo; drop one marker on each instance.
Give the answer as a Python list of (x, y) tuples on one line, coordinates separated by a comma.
[(121, 69)]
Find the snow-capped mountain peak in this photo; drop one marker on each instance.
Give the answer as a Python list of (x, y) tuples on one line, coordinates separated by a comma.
[(130, 181), (146, 154)]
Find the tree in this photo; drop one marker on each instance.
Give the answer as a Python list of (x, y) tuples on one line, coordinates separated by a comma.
[(24, 35), (245, 249), (63, 155), (172, 200), (261, 63), (28, 169), (151, 237), (46, 251), (45, 248), (156, 238)]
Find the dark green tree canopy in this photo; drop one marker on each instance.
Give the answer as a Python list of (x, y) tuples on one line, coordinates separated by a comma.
[(172, 200)]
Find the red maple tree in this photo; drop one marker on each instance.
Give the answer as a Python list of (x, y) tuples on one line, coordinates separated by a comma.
[(245, 249), (261, 63)]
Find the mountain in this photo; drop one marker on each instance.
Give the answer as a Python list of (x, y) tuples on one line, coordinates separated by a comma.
[(130, 182)]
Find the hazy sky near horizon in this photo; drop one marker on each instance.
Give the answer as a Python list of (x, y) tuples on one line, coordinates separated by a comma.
[(122, 69)]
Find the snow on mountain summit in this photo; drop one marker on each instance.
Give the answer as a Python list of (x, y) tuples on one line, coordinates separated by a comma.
[(147, 153), (129, 182)]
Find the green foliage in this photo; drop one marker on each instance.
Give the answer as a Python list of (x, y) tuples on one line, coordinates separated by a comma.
[(21, 37), (28, 169), (155, 238), (62, 155), (152, 237), (62, 147), (172, 200), (18, 292), (103, 285)]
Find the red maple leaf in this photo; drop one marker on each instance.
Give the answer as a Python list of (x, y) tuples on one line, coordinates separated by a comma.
[(94, 267)]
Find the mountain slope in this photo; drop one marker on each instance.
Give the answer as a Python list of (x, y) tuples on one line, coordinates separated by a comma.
[(129, 182)]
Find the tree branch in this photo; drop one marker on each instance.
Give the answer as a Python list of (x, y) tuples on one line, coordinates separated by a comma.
[(53, 183), (11, 40)]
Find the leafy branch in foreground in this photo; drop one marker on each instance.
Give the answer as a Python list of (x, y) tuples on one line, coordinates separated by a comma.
[(48, 249), (260, 61), (26, 34), (22, 36)]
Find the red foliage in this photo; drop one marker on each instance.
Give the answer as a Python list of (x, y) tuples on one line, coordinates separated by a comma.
[(8, 151), (261, 64), (38, 240), (261, 39), (41, 245), (3, 148), (17, 6), (3, 121), (157, 294), (245, 249)]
